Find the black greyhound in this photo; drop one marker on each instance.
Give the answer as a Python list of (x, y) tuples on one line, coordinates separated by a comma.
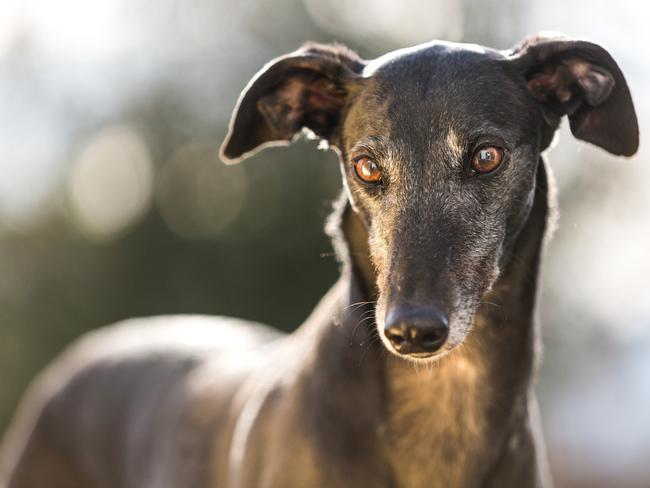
[(415, 369)]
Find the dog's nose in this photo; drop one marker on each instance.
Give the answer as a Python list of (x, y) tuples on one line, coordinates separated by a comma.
[(416, 331)]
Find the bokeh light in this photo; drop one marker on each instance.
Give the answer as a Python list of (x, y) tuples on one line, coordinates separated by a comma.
[(386, 22), (198, 195), (111, 183)]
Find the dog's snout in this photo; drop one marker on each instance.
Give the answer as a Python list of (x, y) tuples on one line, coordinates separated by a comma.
[(416, 331)]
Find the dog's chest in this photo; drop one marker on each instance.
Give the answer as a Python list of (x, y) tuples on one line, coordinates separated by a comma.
[(436, 430)]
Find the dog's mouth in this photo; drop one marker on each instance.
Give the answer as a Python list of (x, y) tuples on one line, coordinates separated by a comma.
[(421, 357)]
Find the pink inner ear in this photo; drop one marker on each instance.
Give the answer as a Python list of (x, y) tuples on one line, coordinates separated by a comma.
[(304, 99), (323, 94), (554, 81), (596, 83), (562, 80)]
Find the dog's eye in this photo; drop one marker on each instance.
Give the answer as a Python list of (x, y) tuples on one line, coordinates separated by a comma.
[(367, 170), (486, 159)]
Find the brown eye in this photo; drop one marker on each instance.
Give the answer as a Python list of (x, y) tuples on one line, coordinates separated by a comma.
[(367, 170), (486, 159)]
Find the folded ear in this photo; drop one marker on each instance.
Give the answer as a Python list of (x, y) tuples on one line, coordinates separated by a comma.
[(580, 79), (305, 89)]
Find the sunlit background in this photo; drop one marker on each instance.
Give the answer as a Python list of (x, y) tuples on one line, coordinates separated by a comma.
[(113, 202)]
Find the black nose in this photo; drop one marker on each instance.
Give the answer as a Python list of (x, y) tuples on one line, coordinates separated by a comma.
[(412, 331)]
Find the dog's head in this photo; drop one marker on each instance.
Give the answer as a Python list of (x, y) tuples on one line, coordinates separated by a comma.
[(439, 146)]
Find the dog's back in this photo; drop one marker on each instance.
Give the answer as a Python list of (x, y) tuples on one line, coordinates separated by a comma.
[(122, 407)]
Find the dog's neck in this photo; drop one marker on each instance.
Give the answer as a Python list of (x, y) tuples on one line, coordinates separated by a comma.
[(475, 395)]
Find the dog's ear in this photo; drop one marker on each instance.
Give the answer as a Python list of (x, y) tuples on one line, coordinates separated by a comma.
[(580, 79), (305, 89)]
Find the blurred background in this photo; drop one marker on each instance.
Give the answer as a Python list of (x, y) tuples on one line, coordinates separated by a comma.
[(113, 202)]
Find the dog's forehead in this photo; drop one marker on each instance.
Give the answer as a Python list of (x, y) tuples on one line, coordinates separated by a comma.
[(441, 76), (428, 53), (438, 93)]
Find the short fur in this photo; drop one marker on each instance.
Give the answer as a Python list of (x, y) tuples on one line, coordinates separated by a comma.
[(213, 402)]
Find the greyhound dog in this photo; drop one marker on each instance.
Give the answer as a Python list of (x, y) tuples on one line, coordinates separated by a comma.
[(415, 369)]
